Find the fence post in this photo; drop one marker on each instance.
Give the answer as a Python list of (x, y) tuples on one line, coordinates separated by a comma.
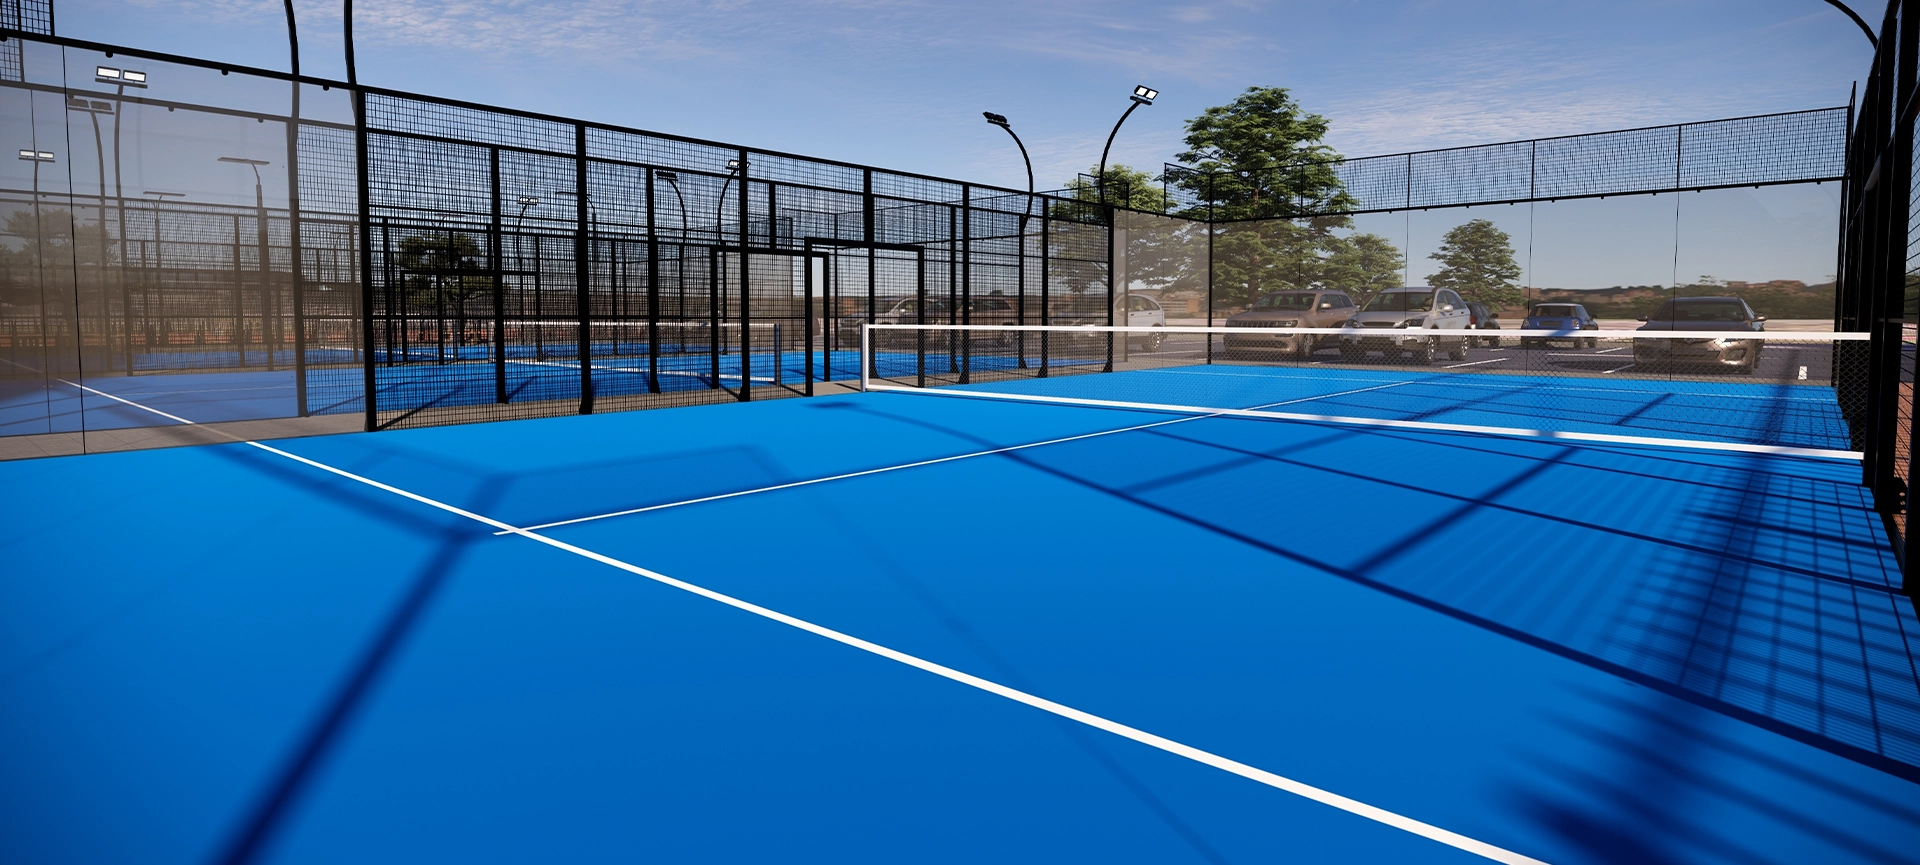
[(583, 267)]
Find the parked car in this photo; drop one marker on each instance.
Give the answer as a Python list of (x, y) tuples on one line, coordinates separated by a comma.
[(1484, 318), (1130, 310), (1270, 317), (1715, 314), (989, 311), (1559, 316), (1407, 320)]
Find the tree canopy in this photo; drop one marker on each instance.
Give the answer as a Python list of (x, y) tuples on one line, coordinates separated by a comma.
[(1261, 156), (1476, 260)]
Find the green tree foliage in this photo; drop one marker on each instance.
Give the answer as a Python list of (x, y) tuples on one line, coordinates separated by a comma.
[(1260, 156), (1363, 265), (1127, 187), (444, 270), (1476, 260)]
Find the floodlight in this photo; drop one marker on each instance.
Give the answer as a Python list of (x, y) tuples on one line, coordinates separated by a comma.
[(163, 195), (92, 106), (733, 165), (529, 200), (137, 79), (667, 176), (36, 156), (241, 161), (46, 156), (106, 72), (1145, 94), (995, 119)]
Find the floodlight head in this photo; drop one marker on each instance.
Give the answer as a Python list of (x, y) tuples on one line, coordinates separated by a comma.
[(999, 120), (36, 155), (106, 72), (93, 106), (134, 79), (163, 195), (529, 200), (243, 161), (1145, 95), (733, 164), (667, 176)]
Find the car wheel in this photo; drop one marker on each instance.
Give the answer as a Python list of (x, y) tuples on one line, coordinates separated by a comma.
[(1153, 341), (1422, 355), (1459, 353), (1593, 342)]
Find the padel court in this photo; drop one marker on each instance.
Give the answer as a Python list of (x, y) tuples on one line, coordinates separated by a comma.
[(886, 627)]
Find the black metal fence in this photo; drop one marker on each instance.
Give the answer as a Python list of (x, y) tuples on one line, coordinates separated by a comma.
[(1880, 270), (486, 264), (1794, 147)]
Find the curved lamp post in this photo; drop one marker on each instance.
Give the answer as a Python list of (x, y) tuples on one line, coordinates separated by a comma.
[(1020, 260), (1142, 95), (719, 227)]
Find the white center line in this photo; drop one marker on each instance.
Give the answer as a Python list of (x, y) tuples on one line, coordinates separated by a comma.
[(936, 461)]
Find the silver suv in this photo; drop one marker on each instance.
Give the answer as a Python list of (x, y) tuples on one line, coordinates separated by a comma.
[(1277, 312), (1418, 321)]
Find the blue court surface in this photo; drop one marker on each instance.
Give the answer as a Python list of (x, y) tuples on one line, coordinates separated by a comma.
[(893, 627)]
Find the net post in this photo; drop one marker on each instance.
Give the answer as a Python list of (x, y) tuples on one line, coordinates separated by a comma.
[(866, 340)]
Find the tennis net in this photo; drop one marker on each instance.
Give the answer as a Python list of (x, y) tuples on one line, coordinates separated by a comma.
[(1761, 392)]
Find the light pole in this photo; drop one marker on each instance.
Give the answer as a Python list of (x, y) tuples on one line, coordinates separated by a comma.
[(260, 224), (1142, 95), (519, 238), (719, 227), (1020, 260), (37, 157), (159, 262), (680, 257), (93, 108), (121, 79)]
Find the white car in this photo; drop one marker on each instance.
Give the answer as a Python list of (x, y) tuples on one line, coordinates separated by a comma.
[(1418, 321)]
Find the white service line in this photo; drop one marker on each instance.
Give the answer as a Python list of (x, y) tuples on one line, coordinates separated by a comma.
[(631, 371), (947, 459), (1279, 782)]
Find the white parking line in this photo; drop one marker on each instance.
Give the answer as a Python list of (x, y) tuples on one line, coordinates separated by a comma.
[(1617, 369), (1476, 363)]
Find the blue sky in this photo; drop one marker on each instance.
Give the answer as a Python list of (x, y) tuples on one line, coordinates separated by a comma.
[(902, 84)]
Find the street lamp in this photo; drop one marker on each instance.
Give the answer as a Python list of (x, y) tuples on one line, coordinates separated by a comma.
[(673, 180), (260, 223), (1142, 95), (734, 167), (93, 108), (1020, 260)]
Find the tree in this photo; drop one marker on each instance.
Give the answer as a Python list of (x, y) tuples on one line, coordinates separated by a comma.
[(1363, 265), (437, 267), (1260, 156), (1476, 260), (1127, 187)]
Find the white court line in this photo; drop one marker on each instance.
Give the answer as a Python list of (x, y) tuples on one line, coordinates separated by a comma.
[(1548, 435), (1476, 363), (912, 465), (1279, 782)]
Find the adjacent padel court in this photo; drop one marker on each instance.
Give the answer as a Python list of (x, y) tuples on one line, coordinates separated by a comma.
[(953, 625)]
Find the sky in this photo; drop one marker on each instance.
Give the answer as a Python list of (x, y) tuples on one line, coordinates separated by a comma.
[(901, 83)]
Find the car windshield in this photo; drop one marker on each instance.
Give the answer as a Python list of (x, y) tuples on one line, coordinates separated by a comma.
[(1401, 301), (1700, 310), (1553, 312), (1284, 301)]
